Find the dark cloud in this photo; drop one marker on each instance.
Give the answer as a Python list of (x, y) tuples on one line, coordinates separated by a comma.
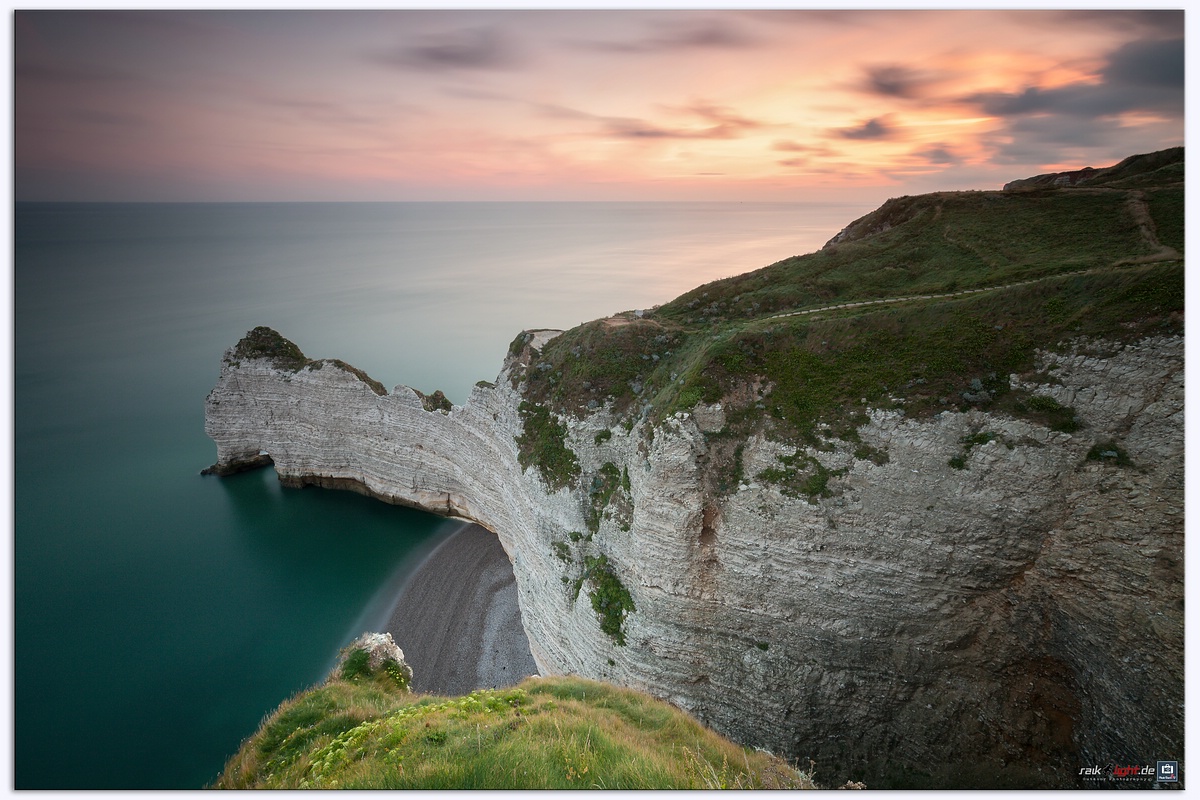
[(1033, 140), (707, 122), (1147, 63), (937, 154), (876, 128), (724, 125), (466, 49), (1059, 131), (895, 80), (708, 34), (1143, 75)]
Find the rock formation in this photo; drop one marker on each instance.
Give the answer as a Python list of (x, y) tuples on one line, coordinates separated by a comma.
[(381, 652), (1022, 613)]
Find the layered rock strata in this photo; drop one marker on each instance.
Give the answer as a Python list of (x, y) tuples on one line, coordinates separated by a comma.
[(1022, 613)]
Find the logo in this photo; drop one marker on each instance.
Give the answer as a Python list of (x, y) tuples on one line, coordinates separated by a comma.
[(1163, 772)]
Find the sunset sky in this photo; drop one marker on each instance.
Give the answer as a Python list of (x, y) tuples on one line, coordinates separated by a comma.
[(581, 105)]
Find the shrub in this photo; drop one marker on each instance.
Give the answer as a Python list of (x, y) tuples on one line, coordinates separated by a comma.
[(1053, 414), (1108, 452), (436, 401), (801, 476), (357, 666), (610, 599), (542, 443)]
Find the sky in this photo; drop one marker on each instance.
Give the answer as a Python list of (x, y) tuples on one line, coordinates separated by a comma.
[(784, 105)]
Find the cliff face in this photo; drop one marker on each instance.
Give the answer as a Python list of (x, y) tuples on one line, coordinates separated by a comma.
[(1016, 612)]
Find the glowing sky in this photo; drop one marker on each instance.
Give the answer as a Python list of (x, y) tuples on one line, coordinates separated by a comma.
[(575, 105)]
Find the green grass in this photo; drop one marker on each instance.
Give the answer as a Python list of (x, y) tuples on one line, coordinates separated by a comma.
[(542, 444), (610, 599), (598, 363), (930, 244), (1166, 208), (921, 355), (550, 733), (928, 356)]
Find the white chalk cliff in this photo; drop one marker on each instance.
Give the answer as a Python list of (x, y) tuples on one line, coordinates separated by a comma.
[(1025, 612)]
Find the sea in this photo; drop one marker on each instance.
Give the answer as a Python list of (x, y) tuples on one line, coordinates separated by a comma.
[(159, 615)]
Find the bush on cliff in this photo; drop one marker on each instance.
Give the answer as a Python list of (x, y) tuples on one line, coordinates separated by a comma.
[(543, 444), (546, 733)]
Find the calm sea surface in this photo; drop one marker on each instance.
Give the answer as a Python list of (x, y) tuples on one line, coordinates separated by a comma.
[(159, 614)]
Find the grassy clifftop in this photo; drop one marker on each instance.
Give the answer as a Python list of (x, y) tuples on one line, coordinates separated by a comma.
[(914, 305), (368, 732)]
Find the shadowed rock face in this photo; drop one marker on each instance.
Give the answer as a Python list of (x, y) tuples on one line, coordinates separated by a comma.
[(1010, 620)]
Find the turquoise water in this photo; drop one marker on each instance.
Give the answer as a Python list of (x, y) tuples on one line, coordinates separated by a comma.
[(160, 614)]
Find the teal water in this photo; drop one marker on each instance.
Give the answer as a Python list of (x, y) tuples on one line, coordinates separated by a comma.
[(160, 614)]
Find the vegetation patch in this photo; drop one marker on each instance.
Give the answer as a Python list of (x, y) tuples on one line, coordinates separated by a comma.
[(375, 385), (1045, 411), (1166, 209), (546, 733), (866, 452), (609, 492), (562, 550), (801, 476), (357, 668), (609, 598), (264, 342), (542, 443), (436, 401), (1108, 452), (518, 344), (595, 363), (934, 243)]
